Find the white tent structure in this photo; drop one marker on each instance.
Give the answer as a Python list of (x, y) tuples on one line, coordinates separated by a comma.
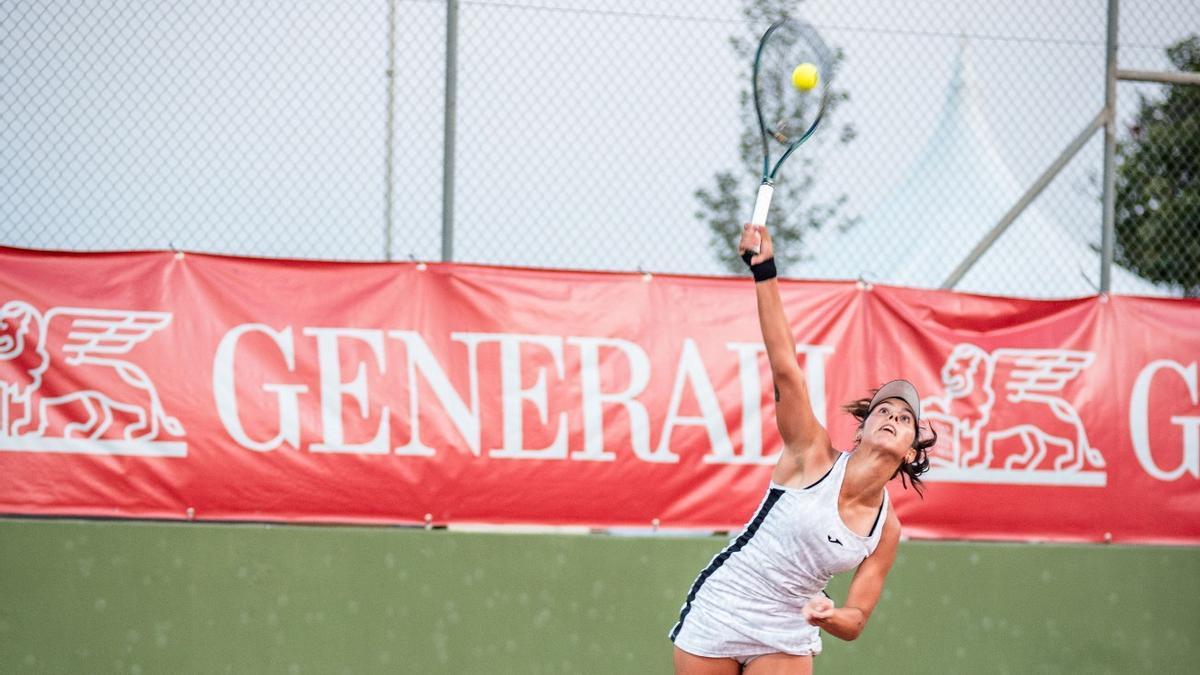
[(955, 192)]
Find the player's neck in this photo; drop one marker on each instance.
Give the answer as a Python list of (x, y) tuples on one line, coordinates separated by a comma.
[(867, 472)]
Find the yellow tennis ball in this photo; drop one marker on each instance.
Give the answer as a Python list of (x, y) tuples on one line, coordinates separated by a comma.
[(805, 76)]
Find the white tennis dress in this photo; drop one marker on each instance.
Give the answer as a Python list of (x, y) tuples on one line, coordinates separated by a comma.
[(748, 600)]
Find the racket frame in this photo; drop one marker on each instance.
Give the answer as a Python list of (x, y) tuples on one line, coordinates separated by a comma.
[(762, 201)]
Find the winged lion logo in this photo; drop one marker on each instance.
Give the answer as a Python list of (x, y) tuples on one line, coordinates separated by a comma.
[(1005, 419), (65, 386)]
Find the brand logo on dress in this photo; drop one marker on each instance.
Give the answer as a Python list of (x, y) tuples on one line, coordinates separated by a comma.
[(63, 389), (1003, 419), (833, 541)]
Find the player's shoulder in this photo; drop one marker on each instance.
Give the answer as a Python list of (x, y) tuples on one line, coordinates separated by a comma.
[(889, 541), (892, 528), (803, 466)]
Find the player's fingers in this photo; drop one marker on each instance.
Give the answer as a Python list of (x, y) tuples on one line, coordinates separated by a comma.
[(747, 240)]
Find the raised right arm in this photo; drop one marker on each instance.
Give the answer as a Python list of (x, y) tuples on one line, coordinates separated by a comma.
[(803, 436)]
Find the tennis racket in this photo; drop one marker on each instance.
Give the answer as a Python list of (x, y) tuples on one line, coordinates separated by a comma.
[(788, 101)]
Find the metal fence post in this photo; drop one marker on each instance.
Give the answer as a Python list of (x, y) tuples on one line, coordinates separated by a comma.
[(1110, 146), (389, 156), (449, 130)]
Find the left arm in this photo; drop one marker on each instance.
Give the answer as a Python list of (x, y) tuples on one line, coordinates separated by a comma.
[(848, 622)]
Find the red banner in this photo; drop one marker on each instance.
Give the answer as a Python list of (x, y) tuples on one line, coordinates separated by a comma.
[(172, 386)]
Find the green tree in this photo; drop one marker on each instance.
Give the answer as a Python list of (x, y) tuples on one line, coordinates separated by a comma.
[(1158, 183), (728, 202)]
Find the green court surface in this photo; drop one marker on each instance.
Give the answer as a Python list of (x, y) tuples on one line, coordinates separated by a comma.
[(136, 597)]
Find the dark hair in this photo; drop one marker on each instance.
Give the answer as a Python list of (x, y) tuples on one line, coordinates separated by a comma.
[(909, 472)]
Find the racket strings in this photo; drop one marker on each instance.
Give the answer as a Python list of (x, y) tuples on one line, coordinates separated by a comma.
[(788, 114)]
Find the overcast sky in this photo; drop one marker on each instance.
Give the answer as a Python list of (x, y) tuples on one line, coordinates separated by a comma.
[(584, 127)]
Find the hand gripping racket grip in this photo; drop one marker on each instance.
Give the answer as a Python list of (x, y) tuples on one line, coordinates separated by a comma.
[(762, 204)]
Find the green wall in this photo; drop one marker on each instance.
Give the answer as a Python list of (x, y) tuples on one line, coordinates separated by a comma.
[(132, 597)]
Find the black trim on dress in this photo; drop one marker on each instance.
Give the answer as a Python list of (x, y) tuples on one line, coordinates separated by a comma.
[(773, 496)]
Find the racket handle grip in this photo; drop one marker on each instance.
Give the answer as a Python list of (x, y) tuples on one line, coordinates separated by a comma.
[(762, 204)]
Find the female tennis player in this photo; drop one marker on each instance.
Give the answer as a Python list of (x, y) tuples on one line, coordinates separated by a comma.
[(759, 606)]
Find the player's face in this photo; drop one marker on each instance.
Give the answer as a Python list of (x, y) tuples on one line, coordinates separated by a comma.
[(891, 424)]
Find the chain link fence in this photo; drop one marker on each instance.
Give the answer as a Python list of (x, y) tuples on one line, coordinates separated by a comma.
[(1158, 153), (583, 131)]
